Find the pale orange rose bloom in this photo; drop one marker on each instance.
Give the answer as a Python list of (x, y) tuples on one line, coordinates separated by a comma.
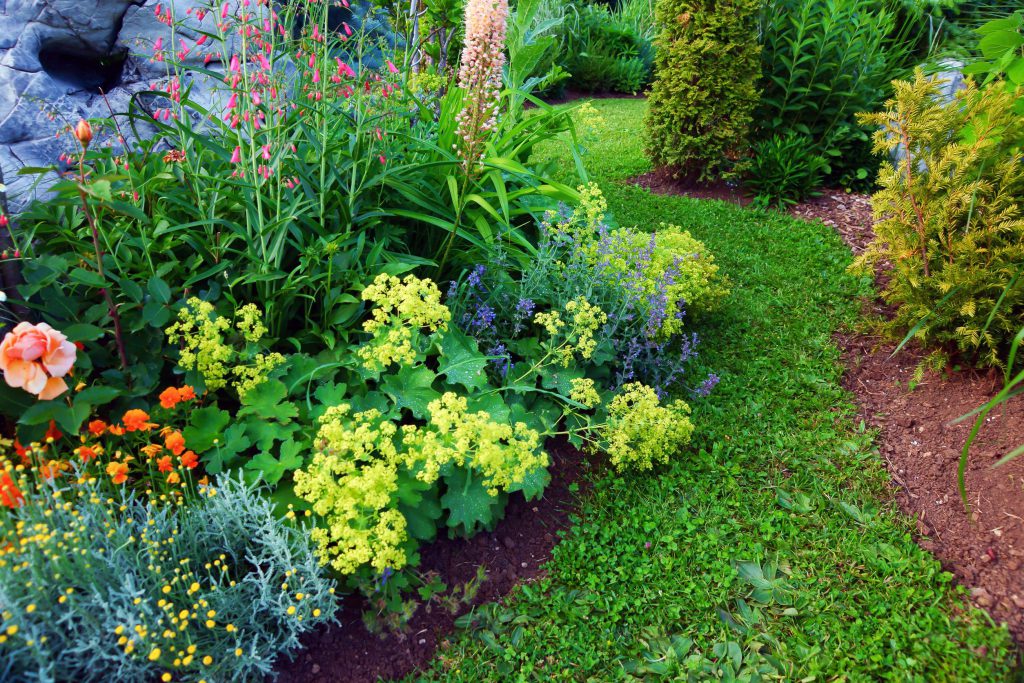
[(36, 358)]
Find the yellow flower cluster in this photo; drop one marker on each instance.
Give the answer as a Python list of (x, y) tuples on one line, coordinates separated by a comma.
[(353, 479), (695, 279), (584, 392), (201, 334), (503, 454), (641, 431), (350, 483), (590, 212), (402, 309), (577, 336)]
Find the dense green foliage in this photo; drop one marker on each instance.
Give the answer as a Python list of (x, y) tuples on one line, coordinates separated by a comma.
[(775, 544), (704, 90), (604, 52), (823, 63), (950, 216), (784, 169)]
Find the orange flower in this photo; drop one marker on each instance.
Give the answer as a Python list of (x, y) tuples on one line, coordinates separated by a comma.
[(118, 472), (52, 469), (205, 481), (115, 430), (97, 427), (187, 393), (152, 449), (175, 443), (164, 464), (52, 432), (170, 397), (189, 459), (10, 494), (136, 420), (36, 358), (21, 452), (173, 478), (87, 453)]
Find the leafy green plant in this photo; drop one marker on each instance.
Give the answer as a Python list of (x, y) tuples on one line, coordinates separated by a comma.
[(604, 52), (1002, 53), (823, 63), (951, 222), (704, 92), (784, 170)]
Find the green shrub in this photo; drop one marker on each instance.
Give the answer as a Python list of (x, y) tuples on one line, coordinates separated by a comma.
[(823, 62), (951, 218), (784, 169), (126, 589), (704, 90), (605, 53)]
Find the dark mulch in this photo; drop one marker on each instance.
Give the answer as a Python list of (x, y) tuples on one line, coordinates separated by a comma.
[(664, 181), (513, 553), (984, 549)]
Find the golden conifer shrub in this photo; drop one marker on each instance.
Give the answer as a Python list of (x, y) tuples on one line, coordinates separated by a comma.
[(950, 215)]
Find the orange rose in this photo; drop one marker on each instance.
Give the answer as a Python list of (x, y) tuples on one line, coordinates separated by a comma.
[(36, 358)]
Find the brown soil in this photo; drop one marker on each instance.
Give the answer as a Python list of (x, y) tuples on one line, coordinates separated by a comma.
[(513, 553), (663, 181), (921, 446)]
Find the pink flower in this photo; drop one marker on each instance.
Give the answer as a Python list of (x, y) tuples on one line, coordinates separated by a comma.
[(158, 45), (316, 75), (235, 66), (391, 67), (236, 156), (36, 358), (224, 11)]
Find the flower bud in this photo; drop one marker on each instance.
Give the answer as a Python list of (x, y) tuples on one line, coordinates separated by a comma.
[(83, 131)]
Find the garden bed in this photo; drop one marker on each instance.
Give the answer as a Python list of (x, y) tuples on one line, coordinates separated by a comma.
[(921, 445)]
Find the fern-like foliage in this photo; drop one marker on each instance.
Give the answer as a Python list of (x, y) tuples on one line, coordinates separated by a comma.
[(950, 215), (706, 67)]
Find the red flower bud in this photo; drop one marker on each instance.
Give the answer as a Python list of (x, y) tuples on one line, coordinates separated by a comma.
[(83, 131)]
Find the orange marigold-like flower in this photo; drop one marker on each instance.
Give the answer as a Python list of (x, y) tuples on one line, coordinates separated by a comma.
[(175, 443), (10, 494), (170, 397), (118, 471), (152, 449), (173, 478), (116, 430), (21, 452), (52, 469), (189, 459), (164, 464), (87, 453), (52, 432), (97, 427), (187, 393), (136, 420)]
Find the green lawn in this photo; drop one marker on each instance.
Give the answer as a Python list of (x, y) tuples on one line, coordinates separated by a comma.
[(673, 571)]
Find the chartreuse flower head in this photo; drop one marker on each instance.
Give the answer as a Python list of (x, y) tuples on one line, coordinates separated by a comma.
[(641, 431), (574, 333), (403, 309), (353, 480), (206, 348)]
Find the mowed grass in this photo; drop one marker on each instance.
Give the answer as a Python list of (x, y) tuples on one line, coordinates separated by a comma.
[(771, 546)]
